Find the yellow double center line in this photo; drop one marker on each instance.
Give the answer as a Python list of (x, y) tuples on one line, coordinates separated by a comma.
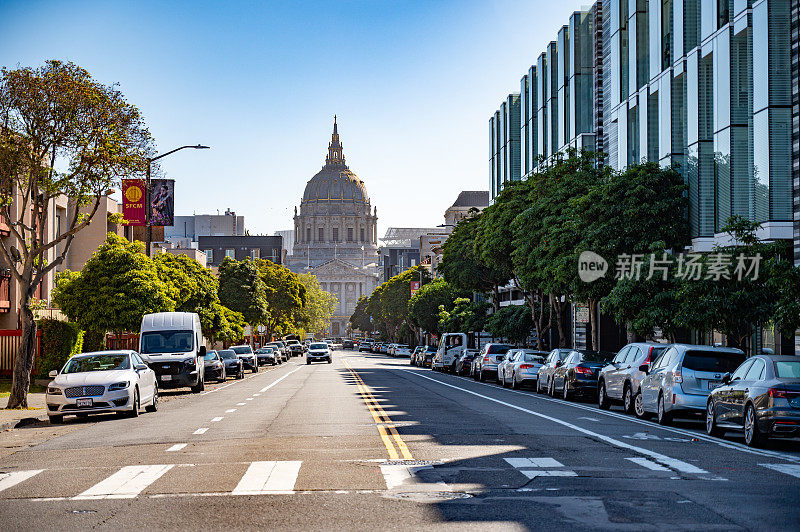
[(382, 420)]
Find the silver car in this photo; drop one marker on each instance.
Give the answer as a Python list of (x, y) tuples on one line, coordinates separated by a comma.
[(620, 381), (520, 367), (545, 373), (679, 381)]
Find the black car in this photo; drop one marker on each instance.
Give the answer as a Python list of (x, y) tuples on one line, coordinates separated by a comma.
[(267, 355), (760, 398), (464, 362), (214, 367), (233, 364), (579, 373), (245, 352), (348, 344)]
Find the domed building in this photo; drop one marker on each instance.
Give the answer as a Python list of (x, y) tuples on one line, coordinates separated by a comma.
[(335, 235)]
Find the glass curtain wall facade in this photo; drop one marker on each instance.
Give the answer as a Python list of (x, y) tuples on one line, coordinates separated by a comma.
[(504, 128), (795, 14)]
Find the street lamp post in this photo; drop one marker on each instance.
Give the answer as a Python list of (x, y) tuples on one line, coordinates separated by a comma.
[(148, 212)]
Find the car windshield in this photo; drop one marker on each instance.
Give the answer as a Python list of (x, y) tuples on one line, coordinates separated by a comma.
[(530, 357), (227, 354), (498, 349), (167, 342), (104, 362), (264, 350), (244, 350), (714, 361), (431, 349), (211, 355), (788, 369), (318, 346)]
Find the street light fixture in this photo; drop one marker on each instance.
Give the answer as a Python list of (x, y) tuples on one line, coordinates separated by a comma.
[(148, 212)]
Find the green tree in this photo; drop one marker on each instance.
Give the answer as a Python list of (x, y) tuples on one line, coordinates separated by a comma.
[(514, 323), (192, 286), (463, 268), (465, 316), (221, 324), (62, 134), (360, 319), (117, 286), (423, 308), (285, 296), (241, 289), (320, 305)]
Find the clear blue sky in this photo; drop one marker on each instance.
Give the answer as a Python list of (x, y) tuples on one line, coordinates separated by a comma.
[(413, 84)]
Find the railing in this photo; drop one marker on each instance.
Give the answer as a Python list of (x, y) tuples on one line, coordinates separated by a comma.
[(127, 341), (9, 344)]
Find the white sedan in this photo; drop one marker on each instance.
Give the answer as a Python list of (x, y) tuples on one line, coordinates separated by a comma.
[(103, 381)]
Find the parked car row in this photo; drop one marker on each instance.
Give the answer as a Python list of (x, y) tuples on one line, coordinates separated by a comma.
[(757, 396), (422, 356)]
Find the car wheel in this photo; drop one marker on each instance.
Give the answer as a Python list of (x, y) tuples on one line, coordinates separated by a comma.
[(627, 399), (135, 410), (712, 429), (153, 407), (664, 417), (481, 377), (565, 392), (752, 436), (551, 388), (638, 407), (329, 361), (56, 420), (538, 385), (255, 367), (222, 375), (240, 375), (514, 384), (200, 386), (308, 362), (602, 397)]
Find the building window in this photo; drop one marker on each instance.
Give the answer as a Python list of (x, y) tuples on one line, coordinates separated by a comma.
[(335, 234), (308, 234), (362, 234), (230, 253), (321, 236), (349, 234), (255, 254), (210, 255)]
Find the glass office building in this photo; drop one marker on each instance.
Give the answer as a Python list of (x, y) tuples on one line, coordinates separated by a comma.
[(796, 124), (504, 128), (705, 85)]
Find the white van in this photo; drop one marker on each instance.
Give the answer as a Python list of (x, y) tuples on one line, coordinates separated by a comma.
[(172, 344)]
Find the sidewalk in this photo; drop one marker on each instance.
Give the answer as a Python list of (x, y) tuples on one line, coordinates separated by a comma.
[(36, 410)]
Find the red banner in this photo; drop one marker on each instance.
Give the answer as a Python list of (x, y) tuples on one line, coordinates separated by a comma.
[(414, 288), (133, 196)]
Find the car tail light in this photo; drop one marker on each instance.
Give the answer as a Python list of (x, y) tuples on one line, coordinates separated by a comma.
[(487, 358), (676, 375), (776, 393), (583, 370), (525, 366)]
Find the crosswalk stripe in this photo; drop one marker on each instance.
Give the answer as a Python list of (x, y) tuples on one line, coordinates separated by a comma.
[(201, 430), (15, 477), (789, 469), (533, 462), (644, 462), (269, 477), (533, 473), (126, 483), (176, 447)]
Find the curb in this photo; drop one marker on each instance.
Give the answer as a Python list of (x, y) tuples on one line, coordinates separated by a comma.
[(18, 423)]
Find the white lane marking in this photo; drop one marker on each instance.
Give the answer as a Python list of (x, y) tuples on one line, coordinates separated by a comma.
[(15, 477), (249, 399), (126, 483), (589, 418), (230, 410), (176, 447), (218, 418), (238, 381), (201, 430), (789, 469), (256, 394), (644, 462), (240, 404), (533, 462), (685, 432), (532, 473), (269, 477), (658, 457), (265, 388)]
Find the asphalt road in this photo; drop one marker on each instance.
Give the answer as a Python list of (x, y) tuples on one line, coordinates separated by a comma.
[(369, 442)]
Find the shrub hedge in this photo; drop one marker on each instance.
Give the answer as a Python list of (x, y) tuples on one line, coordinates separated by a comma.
[(59, 340)]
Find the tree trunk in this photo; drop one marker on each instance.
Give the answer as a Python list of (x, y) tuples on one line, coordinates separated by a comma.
[(593, 325), (23, 363), (558, 307), (496, 297)]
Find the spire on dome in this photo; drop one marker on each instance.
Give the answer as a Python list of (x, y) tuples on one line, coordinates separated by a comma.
[(335, 154)]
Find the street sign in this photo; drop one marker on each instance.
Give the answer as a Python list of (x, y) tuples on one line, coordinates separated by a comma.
[(581, 314), (414, 287)]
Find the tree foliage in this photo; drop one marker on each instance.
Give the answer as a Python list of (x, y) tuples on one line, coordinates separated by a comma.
[(241, 289), (424, 307), (514, 323), (359, 320), (62, 133), (221, 324), (191, 286), (464, 316), (314, 317), (285, 296)]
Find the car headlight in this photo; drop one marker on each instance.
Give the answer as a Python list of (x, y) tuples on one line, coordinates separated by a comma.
[(118, 386), (52, 390), (189, 362)]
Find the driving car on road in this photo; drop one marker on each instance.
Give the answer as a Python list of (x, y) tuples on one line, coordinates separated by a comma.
[(348, 344), (101, 381), (214, 367), (365, 344), (577, 375), (620, 381), (545, 373), (233, 364), (401, 350), (295, 348), (267, 355), (318, 352), (679, 381), (485, 364), (249, 359), (761, 398), (520, 367)]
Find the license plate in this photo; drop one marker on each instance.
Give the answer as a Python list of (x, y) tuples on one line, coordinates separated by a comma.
[(714, 384), (81, 403), (166, 377), (795, 402)]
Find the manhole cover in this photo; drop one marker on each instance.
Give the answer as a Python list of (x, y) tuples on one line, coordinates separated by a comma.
[(431, 496)]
